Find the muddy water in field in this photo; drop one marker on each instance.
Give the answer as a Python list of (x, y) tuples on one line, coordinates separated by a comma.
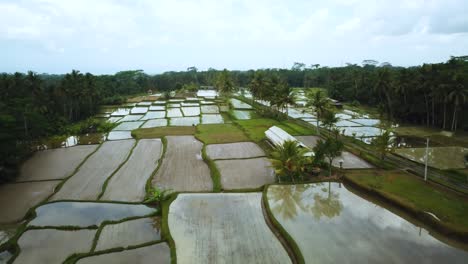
[(330, 224)]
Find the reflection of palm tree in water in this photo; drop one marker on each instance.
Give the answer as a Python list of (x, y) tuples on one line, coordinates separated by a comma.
[(286, 200), (329, 206)]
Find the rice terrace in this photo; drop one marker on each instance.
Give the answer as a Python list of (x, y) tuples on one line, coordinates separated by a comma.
[(221, 131)]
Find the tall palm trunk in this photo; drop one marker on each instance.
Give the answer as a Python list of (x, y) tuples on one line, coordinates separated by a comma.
[(427, 109), (445, 114), (454, 119)]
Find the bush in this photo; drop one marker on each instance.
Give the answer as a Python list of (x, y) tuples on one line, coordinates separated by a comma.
[(156, 196)]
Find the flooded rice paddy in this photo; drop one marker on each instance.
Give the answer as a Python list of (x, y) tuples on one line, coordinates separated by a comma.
[(85, 214), (330, 224), (219, 220), (158, 253), (239, 150)]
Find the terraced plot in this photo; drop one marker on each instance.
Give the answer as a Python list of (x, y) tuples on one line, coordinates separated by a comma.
[(53, 246), (119, 135), (184, 121), (174, 112), (138, 110), (128, 126), (240, 150), (209, 109), (191, 111), (223, 228), (128, 184), (131, 118), (155, 123), (245, 173), (16, 199), (54, 163), (242, 115), (87, 183), (129, 233), (85, 214), (154, 115), (333, 225), (114, 119), (157, 108), (237, 104), (212, 119), (157, 254), (121, 112), (183, 168)]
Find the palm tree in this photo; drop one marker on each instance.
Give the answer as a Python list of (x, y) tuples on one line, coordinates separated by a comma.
[(320, 102), (329, 119), (284, 96), (289, 160), (383, 143), (384, 85), (330, 149), (458, 97)]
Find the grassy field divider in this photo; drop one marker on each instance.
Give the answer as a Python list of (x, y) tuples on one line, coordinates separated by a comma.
[(165, 232), (104, 186), (148, 185), (283, 236), (214, 172)]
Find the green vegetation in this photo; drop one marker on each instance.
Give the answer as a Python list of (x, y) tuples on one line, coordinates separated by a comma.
[(383, 143), (415, 194), (255, 128), (214, 172), (220, 133), (289, 161), (159, 132), (329, 148), (156, 195)]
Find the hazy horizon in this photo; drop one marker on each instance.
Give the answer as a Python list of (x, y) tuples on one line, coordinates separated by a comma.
[(52, 36)]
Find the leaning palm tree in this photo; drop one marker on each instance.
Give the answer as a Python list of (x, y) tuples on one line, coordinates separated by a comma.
[(320, 102), (329, 119), (289, 160)]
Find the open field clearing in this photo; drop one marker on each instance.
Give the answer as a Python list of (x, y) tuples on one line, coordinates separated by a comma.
[(53, 246), (245, 173), (216, 133), (183, 168), (231, 226), (87, 183), (234, 151), (129, 233), (212, 119), (119, 135), (17, 198), (184, 121), (128, 126), (54, 163), (333, 225), (157, 254), (159, 132), (85, 214), (154, 115), (191, 111), (155, 123), (128, 184), (438, 157)]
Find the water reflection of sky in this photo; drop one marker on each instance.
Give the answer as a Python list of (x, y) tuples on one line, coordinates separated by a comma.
[(438, 157), (333, 225), (85, 214)]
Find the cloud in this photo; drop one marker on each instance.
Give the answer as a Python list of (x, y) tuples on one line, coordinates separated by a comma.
[(158, 34)]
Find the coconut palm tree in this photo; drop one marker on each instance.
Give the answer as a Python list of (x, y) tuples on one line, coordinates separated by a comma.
[(330, 149), (289, 160), (320, 102)]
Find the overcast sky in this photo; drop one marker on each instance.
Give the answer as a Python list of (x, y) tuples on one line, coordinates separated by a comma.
[(106, 36)]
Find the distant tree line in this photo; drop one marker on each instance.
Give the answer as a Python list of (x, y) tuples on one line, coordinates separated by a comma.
[(38, 105)]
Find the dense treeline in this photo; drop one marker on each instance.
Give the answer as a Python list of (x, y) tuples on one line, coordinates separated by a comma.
[(33, 106)]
